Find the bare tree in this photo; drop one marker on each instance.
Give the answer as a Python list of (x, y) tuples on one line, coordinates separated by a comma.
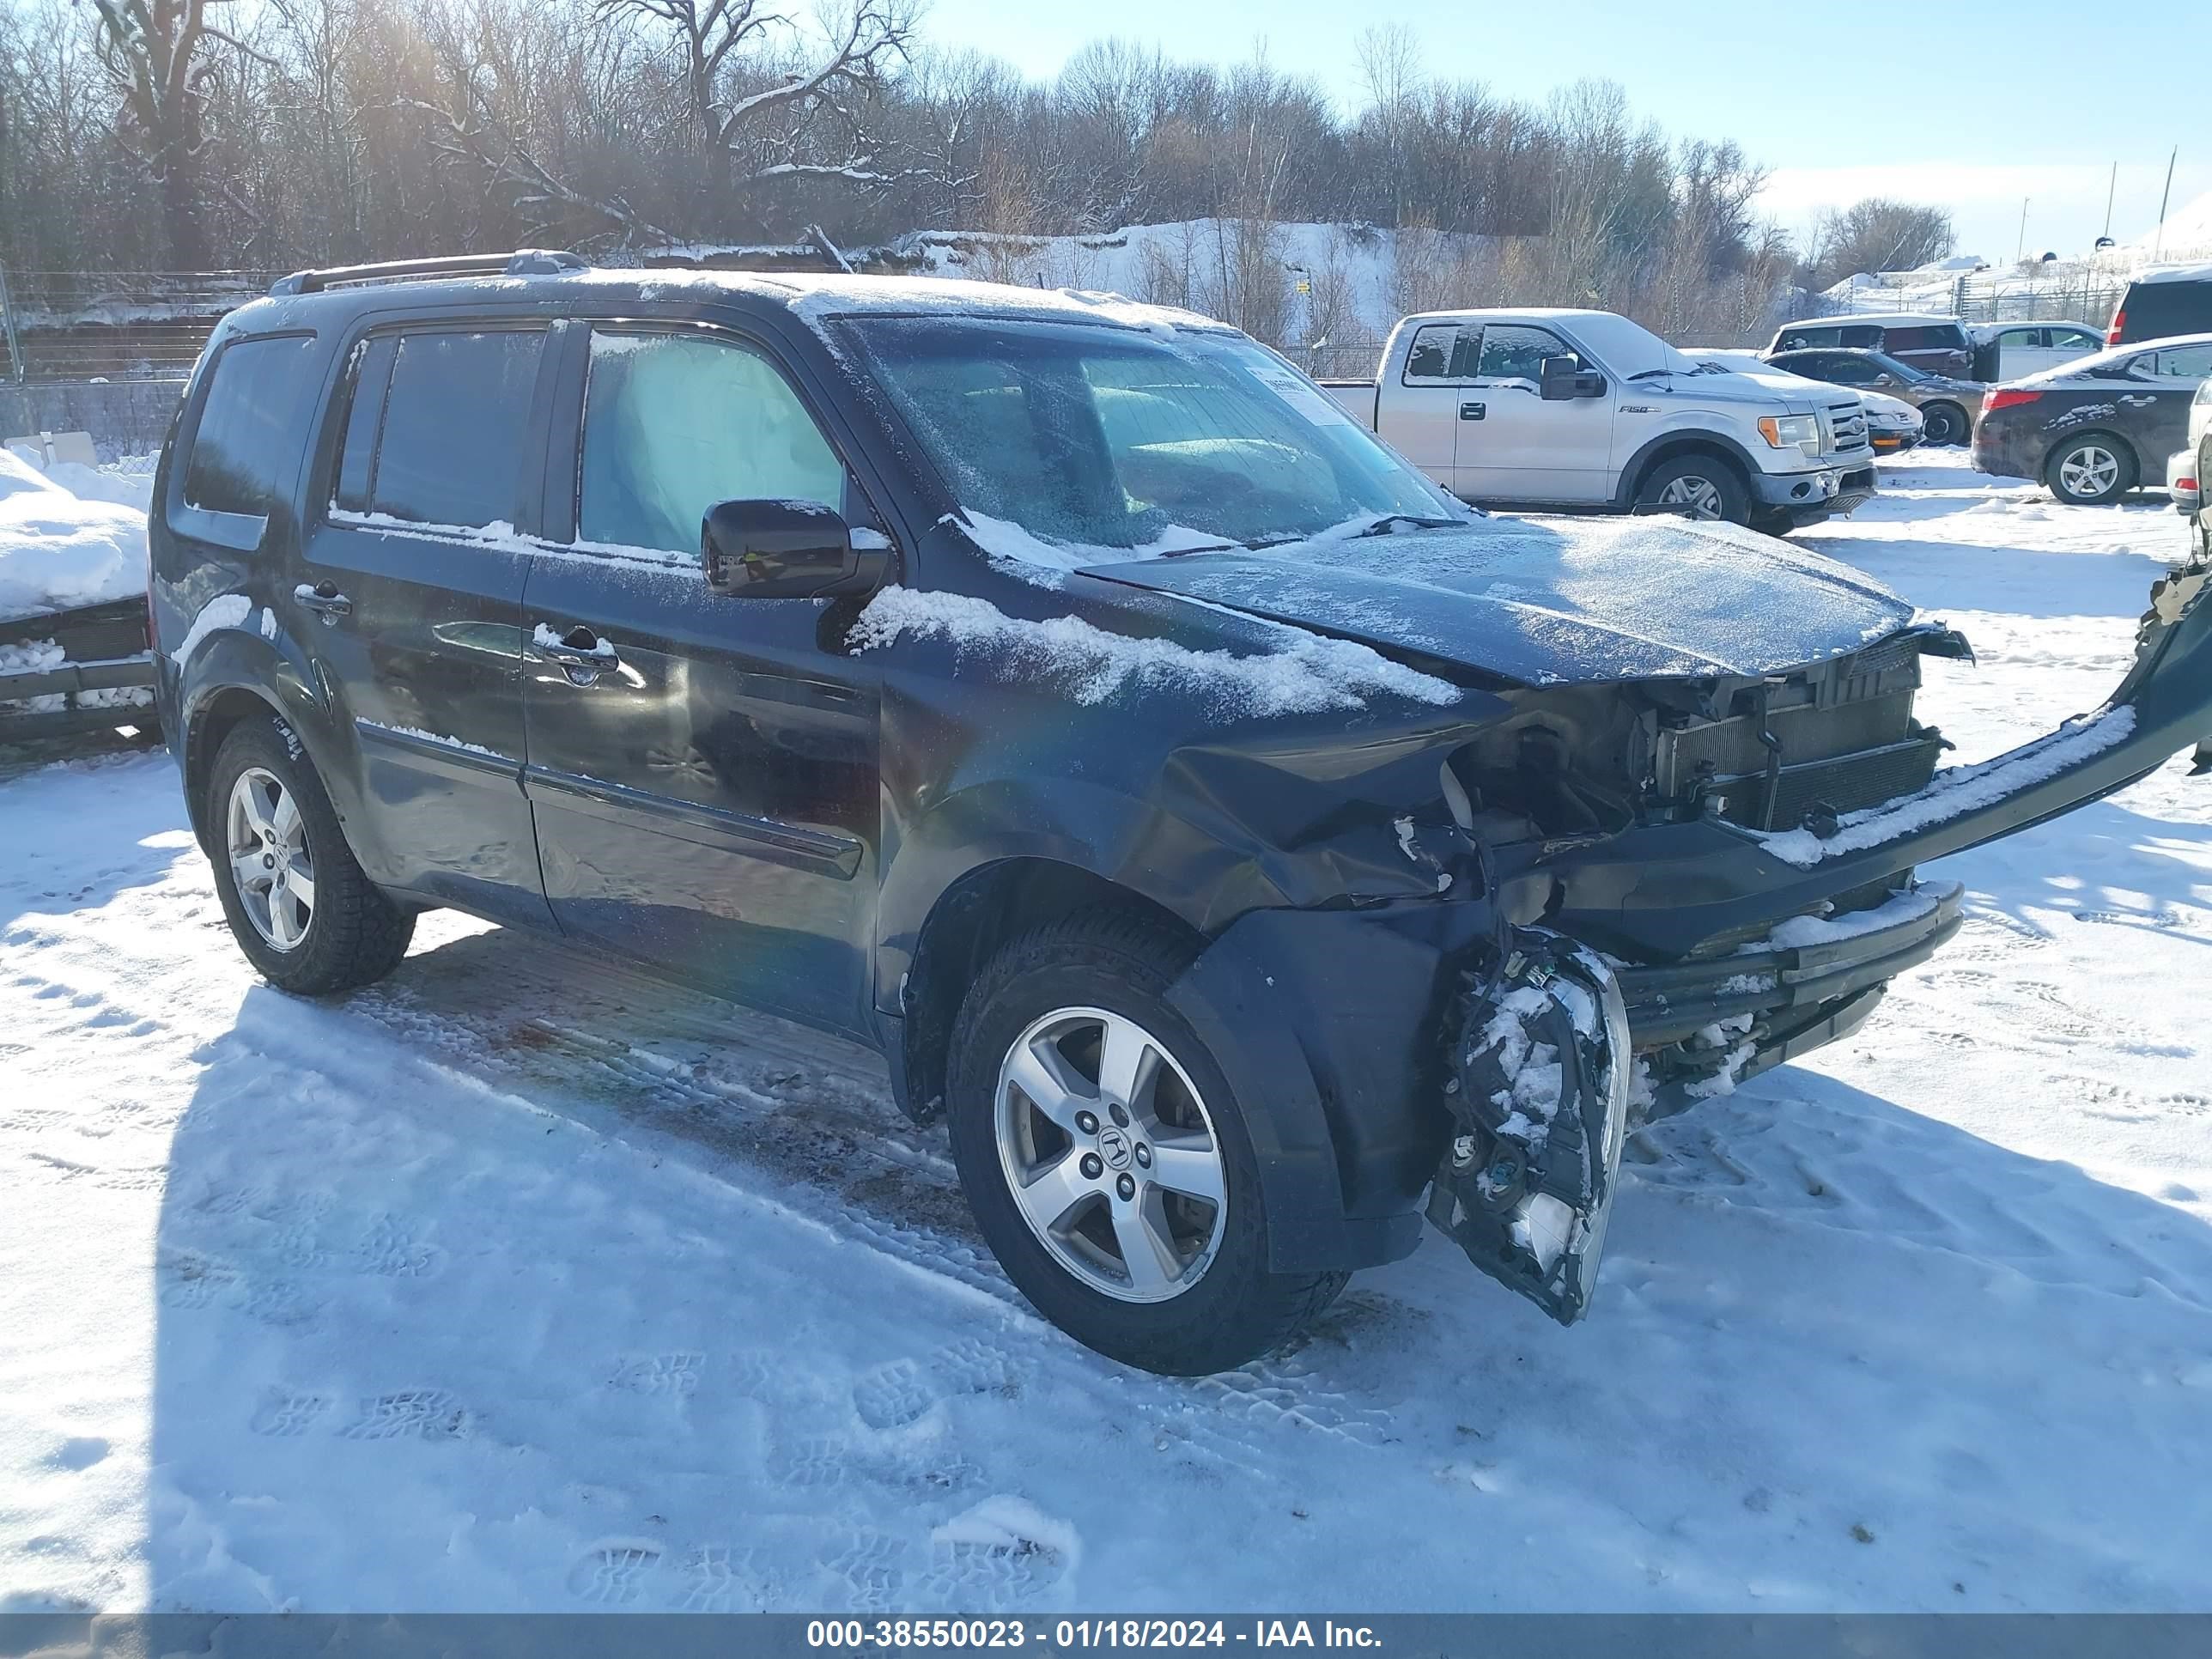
[(156, 53), (1877, 234)]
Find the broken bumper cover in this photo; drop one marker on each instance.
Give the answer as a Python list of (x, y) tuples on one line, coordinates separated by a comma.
[(1808, 497), (1810, 983)]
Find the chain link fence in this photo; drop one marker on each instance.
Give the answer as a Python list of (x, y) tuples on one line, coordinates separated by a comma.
[(76, 325)]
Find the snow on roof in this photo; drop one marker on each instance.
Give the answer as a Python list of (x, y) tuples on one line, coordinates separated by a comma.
[(822, 296), (2174, 273), (1872, 319)]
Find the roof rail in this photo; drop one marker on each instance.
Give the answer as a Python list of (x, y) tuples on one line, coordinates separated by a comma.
[(523, 262)]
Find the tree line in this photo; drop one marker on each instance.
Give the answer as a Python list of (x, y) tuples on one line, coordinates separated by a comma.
[(192, 135)]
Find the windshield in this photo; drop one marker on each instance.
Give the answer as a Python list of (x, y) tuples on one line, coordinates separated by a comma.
[(1115, 438), (1903, 371)]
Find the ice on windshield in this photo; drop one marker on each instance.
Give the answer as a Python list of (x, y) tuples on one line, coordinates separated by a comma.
[(1087, 438)]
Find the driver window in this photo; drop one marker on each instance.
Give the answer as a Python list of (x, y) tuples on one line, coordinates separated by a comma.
[(1853, 371), (1515, 351), (675, 422)]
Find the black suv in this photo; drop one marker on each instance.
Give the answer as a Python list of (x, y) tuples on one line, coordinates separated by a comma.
[(1245, 847)]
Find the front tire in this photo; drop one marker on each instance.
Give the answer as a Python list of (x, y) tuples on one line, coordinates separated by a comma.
[(2093, 470), (307, 918), (1106, 1159), (1703, 488)]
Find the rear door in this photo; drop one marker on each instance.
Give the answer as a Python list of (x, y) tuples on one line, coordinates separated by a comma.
[(408, 596), (1525, 449), (1423, 411), (2154, 404), (703, 767)]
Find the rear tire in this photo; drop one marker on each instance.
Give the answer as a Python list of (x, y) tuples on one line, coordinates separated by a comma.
[(1699, 487), (307, 918), (1944, 425), (2093, 469), (1090, 1200)]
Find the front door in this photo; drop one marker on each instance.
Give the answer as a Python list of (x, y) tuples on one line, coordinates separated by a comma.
[(408, 595), (1526, 449), (703, 766)]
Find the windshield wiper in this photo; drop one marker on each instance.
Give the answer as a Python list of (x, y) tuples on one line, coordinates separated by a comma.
[(1382, 524)]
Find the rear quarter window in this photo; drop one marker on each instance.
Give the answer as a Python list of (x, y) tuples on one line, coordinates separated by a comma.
[(1939, 336), (252, 425), (2155, 310)]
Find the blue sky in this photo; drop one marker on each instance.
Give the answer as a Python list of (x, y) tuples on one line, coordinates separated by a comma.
[(1971, 107)]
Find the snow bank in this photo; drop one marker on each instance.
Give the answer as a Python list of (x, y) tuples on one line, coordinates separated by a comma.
[(1309, 674), (56, 550)]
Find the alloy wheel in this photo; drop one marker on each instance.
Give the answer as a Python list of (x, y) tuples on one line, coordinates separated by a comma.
[(1691, 496), (1111, 1156), (2089, 471), (271, 861)]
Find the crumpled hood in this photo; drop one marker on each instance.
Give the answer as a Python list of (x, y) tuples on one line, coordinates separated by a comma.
[(1554, 601)]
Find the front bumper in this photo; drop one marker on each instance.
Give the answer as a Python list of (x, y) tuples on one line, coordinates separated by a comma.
[(1810, 496)]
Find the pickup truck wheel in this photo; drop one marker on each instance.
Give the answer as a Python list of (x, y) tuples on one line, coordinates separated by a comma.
[(1701, 487), (307, 918), (1942, 425), (2090, 470), (1106, 1159)]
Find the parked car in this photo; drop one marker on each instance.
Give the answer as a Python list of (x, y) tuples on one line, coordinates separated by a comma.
[(1937, 344), (1243, 847), (1948, 406), (2189, 467), (2095, 429), (2005, 351), (2162, 302), (1891, 423), (1587, 411)]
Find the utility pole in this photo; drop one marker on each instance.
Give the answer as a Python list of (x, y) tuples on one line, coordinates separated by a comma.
[(2165, 196), (2019, 248), (2111, 185)]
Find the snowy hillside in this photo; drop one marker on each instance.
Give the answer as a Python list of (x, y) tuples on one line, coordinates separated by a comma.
[(522, 1282)]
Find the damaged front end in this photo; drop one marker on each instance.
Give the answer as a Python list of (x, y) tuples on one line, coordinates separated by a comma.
[(1701, 881)]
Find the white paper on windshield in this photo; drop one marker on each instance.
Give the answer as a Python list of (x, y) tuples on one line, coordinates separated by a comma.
[(1301, 395)]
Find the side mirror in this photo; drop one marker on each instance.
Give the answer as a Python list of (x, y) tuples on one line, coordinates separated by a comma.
[(770, 550), (1563, 378)]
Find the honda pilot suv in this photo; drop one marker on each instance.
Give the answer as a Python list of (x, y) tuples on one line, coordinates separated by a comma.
[(1246, 849)]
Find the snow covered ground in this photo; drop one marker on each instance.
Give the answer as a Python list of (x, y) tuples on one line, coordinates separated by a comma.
[(522, 1282)]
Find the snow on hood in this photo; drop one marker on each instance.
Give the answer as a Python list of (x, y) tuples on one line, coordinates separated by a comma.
[(57, 551), (1554, 601)]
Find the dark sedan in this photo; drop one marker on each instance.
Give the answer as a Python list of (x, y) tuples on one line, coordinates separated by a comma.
[(2095, 429), (1948, 405)]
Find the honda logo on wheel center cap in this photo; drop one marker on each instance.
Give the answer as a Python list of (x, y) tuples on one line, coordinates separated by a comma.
[(1114, 1147)]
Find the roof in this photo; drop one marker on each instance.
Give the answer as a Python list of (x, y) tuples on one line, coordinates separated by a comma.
[(813, 296), (1873, 319)]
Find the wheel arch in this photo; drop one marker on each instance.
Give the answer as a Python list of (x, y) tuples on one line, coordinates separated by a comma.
[(971, 919), (1670, 446), (236, 678), (2121, 443)]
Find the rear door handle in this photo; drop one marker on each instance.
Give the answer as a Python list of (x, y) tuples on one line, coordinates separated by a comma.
[(325, 600), (1473, 412)]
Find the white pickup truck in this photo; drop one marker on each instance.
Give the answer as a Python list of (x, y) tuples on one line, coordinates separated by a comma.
[(1587, 411)]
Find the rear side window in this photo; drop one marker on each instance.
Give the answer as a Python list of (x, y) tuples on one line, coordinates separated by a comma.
[(2189, 362), (456, 424), (250, 426), (1941, 336), (1441, 351)]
